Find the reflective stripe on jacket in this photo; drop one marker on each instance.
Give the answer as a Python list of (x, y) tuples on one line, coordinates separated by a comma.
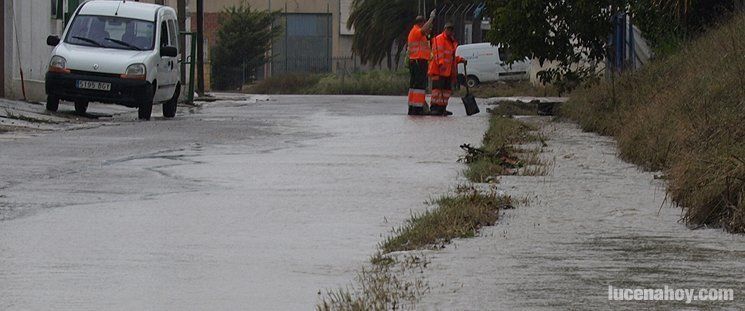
[(444, 61), (418, 44)]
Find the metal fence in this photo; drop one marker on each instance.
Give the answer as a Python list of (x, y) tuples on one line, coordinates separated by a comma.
[(346, 65), (305, 45), (301, 64)]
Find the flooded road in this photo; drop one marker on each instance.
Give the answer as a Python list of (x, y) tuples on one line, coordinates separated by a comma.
[(242, 204), (259, 204), (592, 222)]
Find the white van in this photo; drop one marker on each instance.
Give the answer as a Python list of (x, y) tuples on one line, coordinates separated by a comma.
[(487, 63), (121, 52)]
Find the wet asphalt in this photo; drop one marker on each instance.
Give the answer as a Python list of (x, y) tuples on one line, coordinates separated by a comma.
[(245, 203)]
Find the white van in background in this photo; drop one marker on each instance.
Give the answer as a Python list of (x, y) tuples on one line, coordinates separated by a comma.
[(487, 63)]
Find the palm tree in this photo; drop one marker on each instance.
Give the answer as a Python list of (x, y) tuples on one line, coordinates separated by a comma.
[(379, 24), (382, 26)]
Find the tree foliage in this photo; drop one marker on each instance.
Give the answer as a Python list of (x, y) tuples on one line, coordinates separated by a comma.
[(559, 31), (570, 32), (244, 37)]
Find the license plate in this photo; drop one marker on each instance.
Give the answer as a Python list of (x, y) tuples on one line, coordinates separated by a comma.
[(92, 85)]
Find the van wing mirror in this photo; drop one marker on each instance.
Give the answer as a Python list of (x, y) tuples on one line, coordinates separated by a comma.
[(168, 51), (53, 40)]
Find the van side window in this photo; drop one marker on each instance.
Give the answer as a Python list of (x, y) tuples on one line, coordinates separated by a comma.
[(173, 32), (164, 34)]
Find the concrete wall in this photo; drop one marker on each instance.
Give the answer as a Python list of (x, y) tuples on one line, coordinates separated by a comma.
[(27, 25)]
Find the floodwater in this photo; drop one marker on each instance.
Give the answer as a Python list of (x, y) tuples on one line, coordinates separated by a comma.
[(240, 205), (592, 222), (260, 203)]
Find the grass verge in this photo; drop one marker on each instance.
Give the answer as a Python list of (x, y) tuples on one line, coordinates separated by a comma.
[(509, 89), (392, 283), (499, 154), (389, 284), (510, 108), (376, 82), (682, 115), (459, 216)]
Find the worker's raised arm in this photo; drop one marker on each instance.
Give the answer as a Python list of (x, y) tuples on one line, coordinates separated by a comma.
[(427, 28)]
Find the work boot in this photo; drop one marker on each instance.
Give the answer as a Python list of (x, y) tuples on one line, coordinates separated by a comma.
[(437, 111), (416, 111)]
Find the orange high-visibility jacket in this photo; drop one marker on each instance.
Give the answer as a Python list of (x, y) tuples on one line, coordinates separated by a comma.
[(418, 44), (444, 61)]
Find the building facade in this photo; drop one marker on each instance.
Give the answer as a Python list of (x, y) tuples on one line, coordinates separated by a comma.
[(315, 39)]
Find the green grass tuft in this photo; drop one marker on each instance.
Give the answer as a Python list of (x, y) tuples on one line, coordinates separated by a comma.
[(509, 89), (375, 82), (458, 216), (498, 155)]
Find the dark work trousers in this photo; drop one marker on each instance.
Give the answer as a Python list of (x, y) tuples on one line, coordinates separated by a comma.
[(418, 86), (442, 89)]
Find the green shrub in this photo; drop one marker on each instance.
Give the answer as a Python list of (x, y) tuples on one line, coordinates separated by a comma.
[(243, 38), (376, 82)]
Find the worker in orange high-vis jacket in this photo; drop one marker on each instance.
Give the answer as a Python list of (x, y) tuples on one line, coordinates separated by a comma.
[(443, 70), (419, 54)]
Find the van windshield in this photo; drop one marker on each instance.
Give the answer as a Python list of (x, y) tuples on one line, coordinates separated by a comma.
[(111, 32)]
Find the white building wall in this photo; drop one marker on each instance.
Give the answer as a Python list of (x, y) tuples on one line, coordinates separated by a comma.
[(27, 25)]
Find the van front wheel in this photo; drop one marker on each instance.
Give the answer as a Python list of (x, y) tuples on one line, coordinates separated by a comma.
[(145, 109), (169, 107)]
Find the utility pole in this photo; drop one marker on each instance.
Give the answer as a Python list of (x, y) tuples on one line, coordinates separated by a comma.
[(200, 47)]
